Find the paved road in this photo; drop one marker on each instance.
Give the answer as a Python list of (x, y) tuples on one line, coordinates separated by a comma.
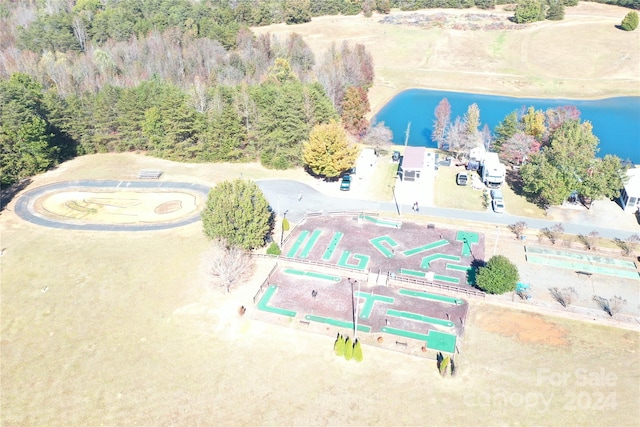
[(293, 197), (283, 195), (25, 205)]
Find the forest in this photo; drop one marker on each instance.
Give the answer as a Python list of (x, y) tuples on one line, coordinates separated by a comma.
[(178, 79)]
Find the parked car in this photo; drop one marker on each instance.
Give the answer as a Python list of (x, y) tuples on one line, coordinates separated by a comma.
[(497, 205), (396, 156), (496, 194), (345, 184), (462, 178)]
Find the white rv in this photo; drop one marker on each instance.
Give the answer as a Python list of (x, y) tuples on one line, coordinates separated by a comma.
[(493, 172)]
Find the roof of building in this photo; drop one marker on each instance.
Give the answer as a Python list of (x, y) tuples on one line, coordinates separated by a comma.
[(414, 158), (632, 187)]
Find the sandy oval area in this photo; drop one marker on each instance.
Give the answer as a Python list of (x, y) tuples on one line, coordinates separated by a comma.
[(118, 206)]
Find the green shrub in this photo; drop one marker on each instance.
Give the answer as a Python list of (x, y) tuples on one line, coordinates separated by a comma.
[(444, 365), (348, 349), (555, 12), (338, 346), (357, 351), (273, 249), (630, 22), (499, 275)]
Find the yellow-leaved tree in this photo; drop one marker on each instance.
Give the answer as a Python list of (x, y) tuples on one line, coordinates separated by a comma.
[(328, 153)]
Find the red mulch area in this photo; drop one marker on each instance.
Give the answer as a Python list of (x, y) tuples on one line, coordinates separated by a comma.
[(334, 299)]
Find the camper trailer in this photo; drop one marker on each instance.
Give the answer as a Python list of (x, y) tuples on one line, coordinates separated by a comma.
[(493, 172)]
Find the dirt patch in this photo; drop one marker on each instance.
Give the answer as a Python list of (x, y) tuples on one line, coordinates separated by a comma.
[(526, 328), (168, 207)]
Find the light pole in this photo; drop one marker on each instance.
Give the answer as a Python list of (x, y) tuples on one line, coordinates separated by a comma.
[(278, 213), (355, 317), (393, 191), (495, 247)]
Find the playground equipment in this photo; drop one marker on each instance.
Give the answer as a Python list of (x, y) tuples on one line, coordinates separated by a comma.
[(523, 290)]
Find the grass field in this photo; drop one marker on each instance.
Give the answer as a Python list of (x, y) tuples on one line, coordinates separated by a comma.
[(114, 328)]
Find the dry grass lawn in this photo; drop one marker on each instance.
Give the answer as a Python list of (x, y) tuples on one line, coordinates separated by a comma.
[(583, 56), (113, 328), (116, 328)]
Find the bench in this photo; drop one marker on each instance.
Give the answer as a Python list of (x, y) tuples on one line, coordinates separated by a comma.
[(149, 174), (305, 322), (401, 344), (584, 273), (431, 226)]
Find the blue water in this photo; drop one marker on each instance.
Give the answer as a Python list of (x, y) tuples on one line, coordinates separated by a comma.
[(616, 121)]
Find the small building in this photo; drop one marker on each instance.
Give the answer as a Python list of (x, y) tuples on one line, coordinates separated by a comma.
[(414, 163), (630, 194)]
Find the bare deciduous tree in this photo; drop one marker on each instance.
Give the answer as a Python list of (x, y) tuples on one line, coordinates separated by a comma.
[(564, 296), (518, 229), (228, 265), (628, 245), (590, 240), (379, 136), (610, 306), (553, 233)]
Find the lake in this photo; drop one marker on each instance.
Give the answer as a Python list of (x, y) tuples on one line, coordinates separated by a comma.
[(616, 121)]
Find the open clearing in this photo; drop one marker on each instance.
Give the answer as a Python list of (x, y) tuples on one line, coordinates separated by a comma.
[(114, 328), (583, 56), (120, 328)]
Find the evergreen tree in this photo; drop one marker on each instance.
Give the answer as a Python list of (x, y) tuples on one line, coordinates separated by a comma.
[(555, 12), (506, 129), (499, 275), (26, 146), (297, 11), (529, 11), (348, 349), (357, 351), (237, 212), (339, 346), (630, 21)]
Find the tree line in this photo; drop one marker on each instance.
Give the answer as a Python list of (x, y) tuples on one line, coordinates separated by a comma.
[(553, 152), (257, 102)]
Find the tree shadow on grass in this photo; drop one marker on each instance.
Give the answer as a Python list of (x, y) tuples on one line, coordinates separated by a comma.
[(7, 194), (514, 181), (471, 274)]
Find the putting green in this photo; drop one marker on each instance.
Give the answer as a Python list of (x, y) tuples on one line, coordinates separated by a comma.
[(425, 248), (425, 295), (419, 318), (363, 260), (467, 238), (378, 241), (296, 246), (382, 222), (370, 300), (313, 274), (310, 244), (328, 253), (582, 257), (413, 272), (262, 304), (336, 322), (448, 279), (426, 261), (434, 340), (555, 262)]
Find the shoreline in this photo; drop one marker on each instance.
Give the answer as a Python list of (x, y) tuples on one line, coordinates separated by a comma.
[(474, 92)]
